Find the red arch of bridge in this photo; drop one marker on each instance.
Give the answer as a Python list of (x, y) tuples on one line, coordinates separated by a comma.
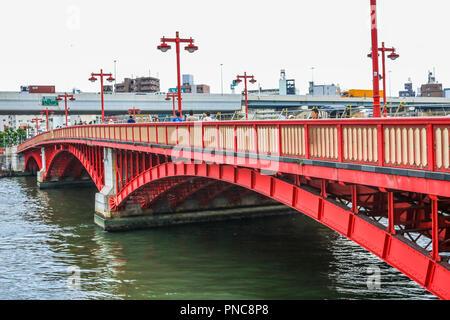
[(36, 156), (413, 262), (97, 177)]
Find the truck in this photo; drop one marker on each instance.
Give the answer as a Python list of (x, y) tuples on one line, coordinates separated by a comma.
[(38, 89), (359, 93)]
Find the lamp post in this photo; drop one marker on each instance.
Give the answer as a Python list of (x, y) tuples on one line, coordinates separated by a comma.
[(37, 120), (115, 75), (221, 78), (375, 73), (134, 112), (252, 80), (46, 112), (110, 79), (190, 48), (172, 95), (393, 56), (65, 96)]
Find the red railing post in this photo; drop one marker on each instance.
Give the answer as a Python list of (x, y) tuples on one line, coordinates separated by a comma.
[(235, 138), (380, 138), (167, 137), (203, 137), (307, 151), (431, 148), (217, 137), (255, 138), (280, 143), (340, 143)]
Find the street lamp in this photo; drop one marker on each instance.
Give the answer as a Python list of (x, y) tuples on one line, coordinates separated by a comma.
[(172, 95), (252, 80), (115, 75), (393, 56), (46, 112), (93, 79), (65, 96), (190, 48), (134, 112), (37, 120), (375, 73), (221, 77)]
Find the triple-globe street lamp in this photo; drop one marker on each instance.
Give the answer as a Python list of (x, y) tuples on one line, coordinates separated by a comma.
[(190, 48), (393, 56), (65, 96), (134, 110), (93, 79), (252, 80), (47, 112), (172, 95)]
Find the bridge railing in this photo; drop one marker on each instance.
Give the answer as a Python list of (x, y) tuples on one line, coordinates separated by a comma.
[(413, 143)]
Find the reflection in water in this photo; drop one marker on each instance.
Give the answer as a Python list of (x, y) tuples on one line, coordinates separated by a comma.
[(43, 233)]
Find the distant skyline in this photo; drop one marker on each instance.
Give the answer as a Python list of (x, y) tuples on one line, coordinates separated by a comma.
[(61, 42)]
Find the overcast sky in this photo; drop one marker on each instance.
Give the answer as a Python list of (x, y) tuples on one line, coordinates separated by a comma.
[(61, 42)]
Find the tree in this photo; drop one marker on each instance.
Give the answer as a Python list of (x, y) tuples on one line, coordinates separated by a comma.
[(12, 137)]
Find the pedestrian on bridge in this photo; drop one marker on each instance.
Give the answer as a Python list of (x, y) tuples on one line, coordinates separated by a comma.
[(315, 113), (131, 120), (208, 117), (177, 118), (191, 117)]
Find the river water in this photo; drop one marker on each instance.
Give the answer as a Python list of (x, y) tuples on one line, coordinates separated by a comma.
[(51, 249)]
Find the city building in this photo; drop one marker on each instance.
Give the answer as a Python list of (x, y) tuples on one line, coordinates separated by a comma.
[(286, 86), (432, 88), (189, 86), (188, 79), (142, 84), (408, 92), (323, 89), (447, 93)]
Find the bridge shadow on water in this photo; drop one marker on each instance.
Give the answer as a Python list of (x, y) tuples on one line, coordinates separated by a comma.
[(284, 257)]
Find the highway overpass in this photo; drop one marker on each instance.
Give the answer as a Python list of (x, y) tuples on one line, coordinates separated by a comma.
[(17, 103)]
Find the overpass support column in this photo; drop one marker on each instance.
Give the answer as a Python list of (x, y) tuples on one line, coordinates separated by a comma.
[(102, 206)]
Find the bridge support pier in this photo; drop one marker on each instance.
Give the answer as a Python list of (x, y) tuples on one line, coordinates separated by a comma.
[(41, 173), (102, 206)]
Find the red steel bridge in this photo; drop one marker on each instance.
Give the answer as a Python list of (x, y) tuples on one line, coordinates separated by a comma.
[(382, 183)]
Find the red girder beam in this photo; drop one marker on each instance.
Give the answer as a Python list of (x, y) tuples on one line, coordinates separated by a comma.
[(412, 184)]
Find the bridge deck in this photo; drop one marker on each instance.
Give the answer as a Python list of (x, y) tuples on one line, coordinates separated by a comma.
[(417, 148)]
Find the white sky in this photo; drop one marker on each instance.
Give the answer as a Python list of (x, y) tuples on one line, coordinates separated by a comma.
[(61, 42)]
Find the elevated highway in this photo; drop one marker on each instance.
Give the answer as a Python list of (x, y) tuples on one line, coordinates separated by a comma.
[(15, 103)]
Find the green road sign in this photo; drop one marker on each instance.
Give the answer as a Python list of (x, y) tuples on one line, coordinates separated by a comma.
[(49, 101)]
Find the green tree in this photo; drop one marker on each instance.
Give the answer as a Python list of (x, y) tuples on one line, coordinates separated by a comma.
[(12, 137)]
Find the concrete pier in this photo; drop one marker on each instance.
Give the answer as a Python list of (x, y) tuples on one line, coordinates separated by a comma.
[(65, 183), (12, 164), (170, 219)]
